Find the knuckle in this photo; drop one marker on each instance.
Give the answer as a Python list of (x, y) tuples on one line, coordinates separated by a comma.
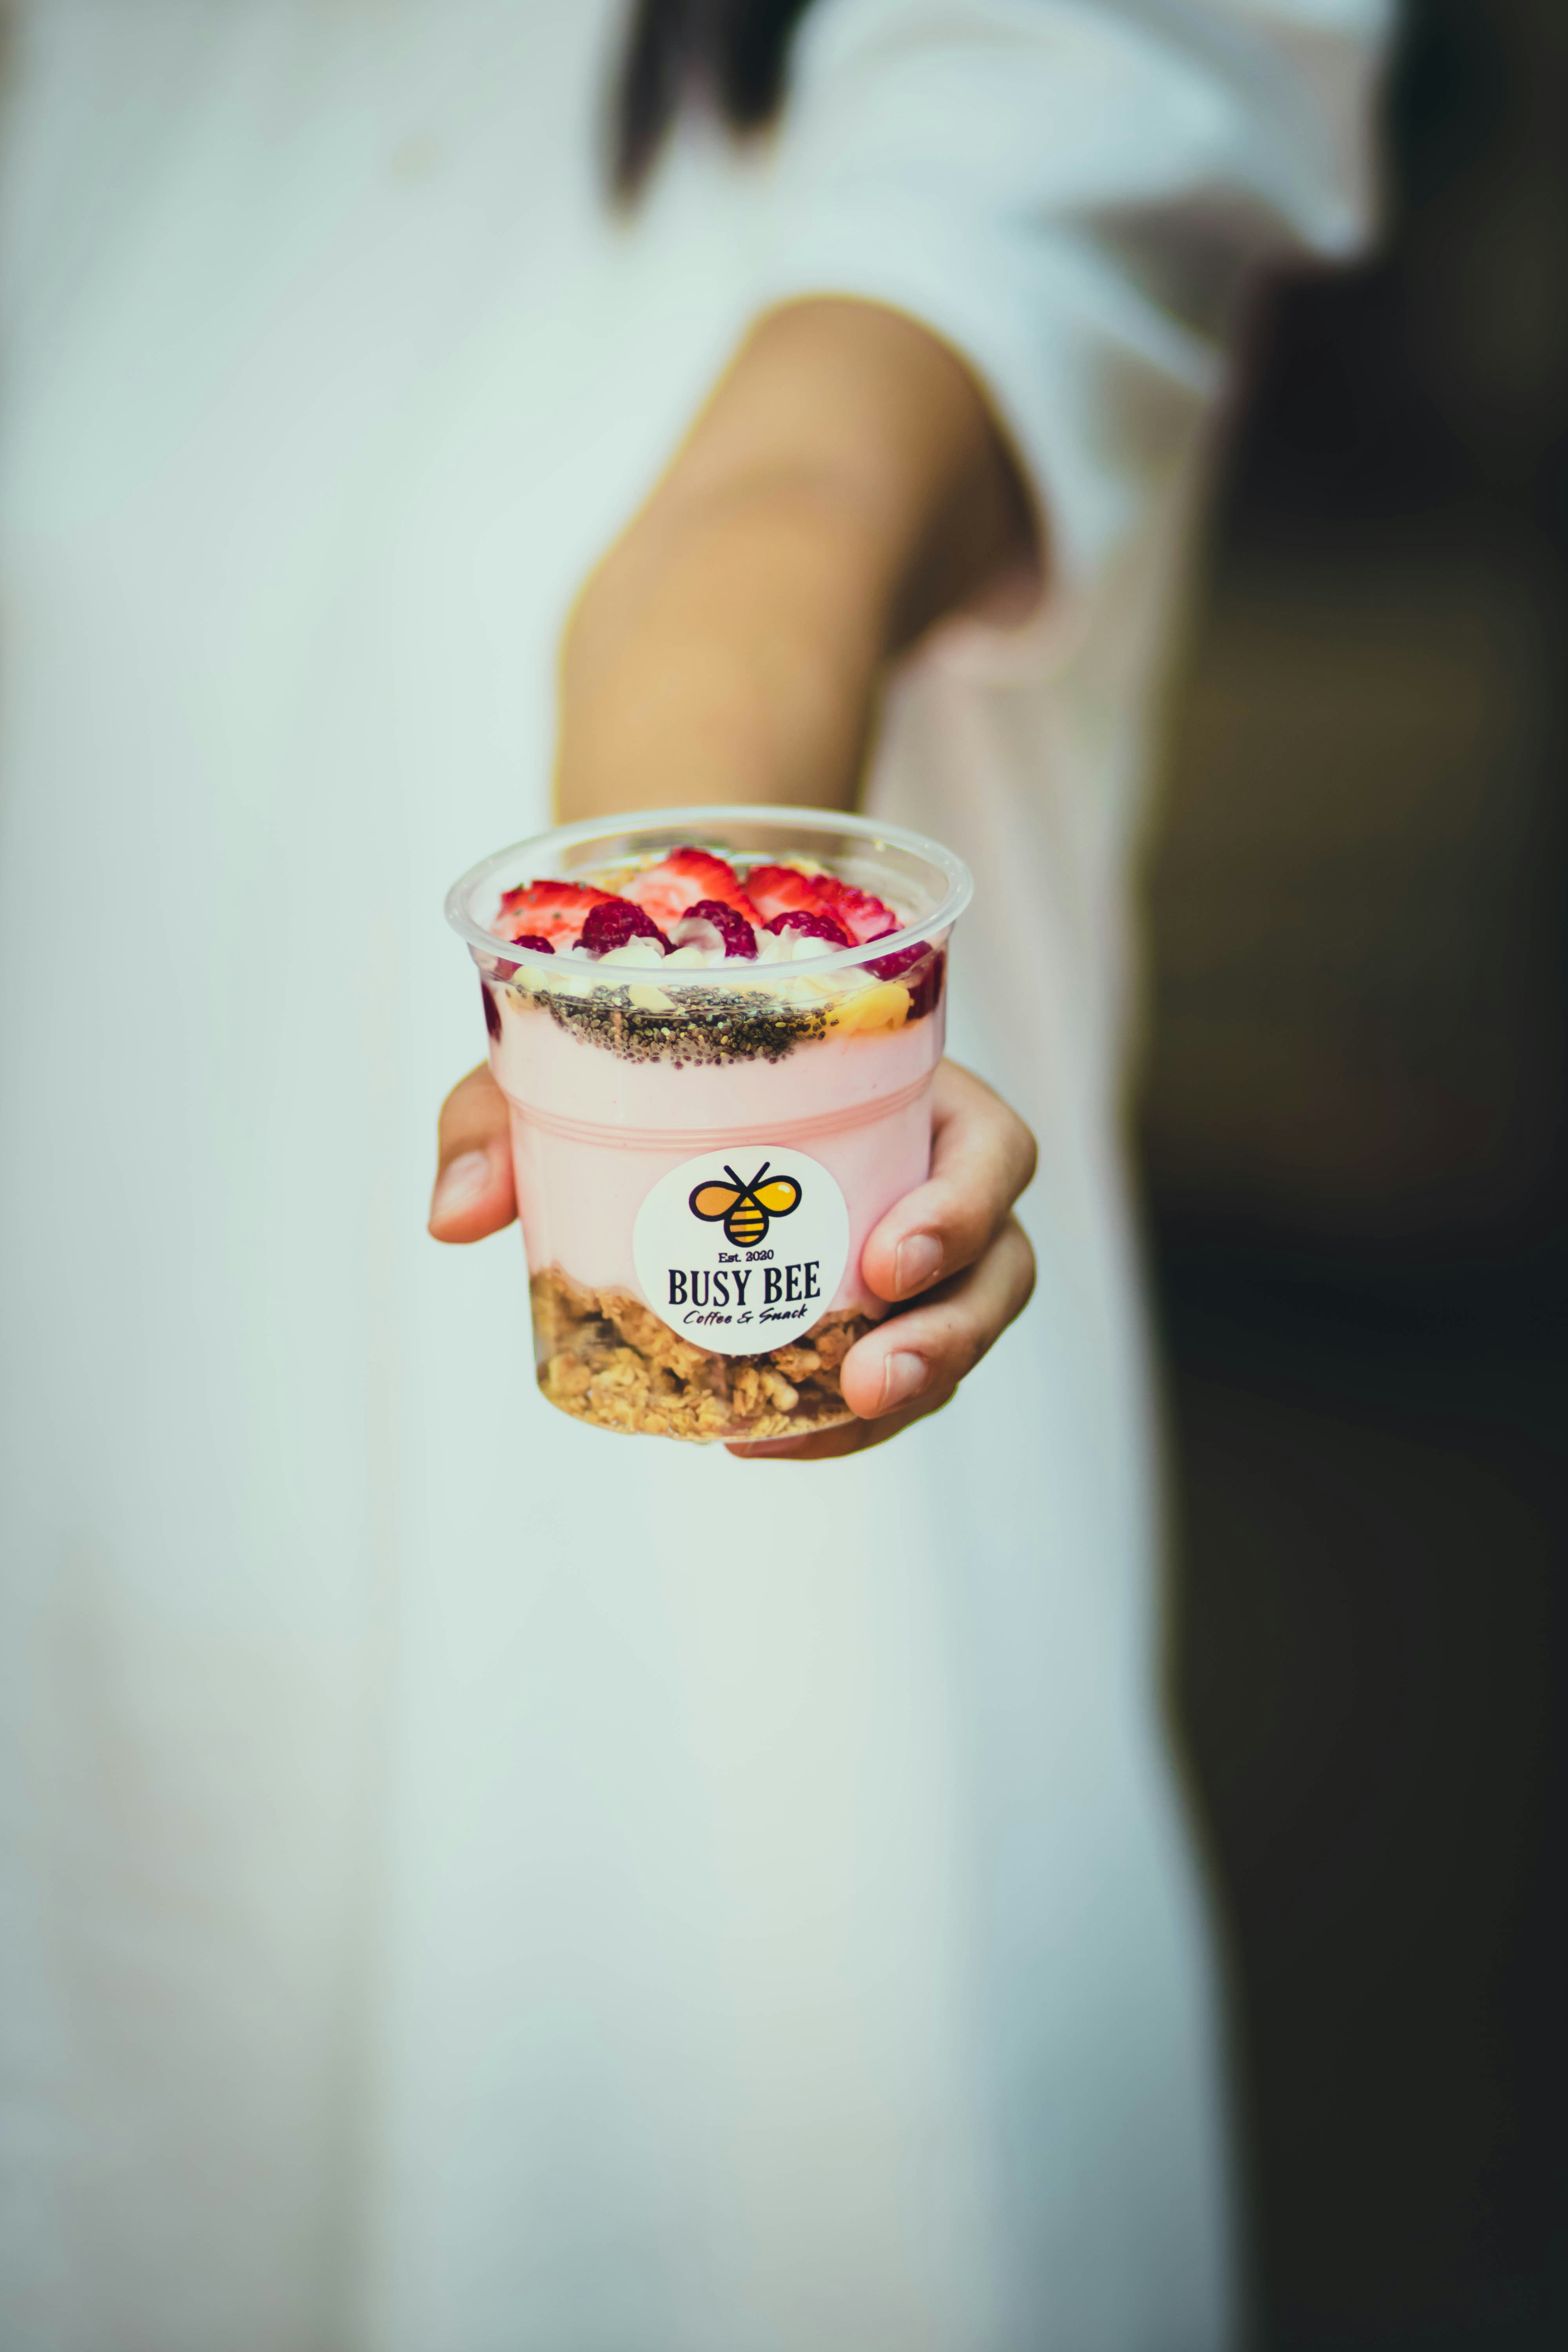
[(470, 1083), (967, 1344), (1026, 1152), (1023, 1267)]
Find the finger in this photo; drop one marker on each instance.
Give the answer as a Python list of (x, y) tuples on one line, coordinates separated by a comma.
[(473, 1194), (982, 1157), (911, 1366), (938, 1342)]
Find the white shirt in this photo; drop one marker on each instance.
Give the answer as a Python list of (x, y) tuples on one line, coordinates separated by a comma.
[(471, 1885)]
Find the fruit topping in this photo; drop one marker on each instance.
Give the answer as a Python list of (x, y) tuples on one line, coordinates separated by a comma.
[(616, 924), (534, 939), (680, 881), (722, 928), (780, 891), (862, 915), (691, 907), (814, 926), (920, 969), (886, 1006), (553, 912)]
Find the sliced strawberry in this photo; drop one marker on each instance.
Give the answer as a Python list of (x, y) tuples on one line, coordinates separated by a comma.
[(863, 917), (780, 891), (666, 890), (556, 911)]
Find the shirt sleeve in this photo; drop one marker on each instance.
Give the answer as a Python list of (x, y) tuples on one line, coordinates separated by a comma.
[(1072, 193)]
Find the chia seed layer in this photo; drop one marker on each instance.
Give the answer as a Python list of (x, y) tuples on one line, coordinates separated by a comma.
[(706, 1024)]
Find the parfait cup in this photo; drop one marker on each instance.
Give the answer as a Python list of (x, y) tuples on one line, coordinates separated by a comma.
[(701, 1154)]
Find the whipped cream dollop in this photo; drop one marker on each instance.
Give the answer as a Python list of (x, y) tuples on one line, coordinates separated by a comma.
[(773, 948)]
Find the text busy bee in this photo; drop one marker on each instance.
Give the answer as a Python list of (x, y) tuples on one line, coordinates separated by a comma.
[(746, 1209)]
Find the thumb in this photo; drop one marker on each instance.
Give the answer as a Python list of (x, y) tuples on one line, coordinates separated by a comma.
[(473, 1193)]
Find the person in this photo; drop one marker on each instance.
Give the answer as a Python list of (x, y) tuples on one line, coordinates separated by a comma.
[(470, 1883)]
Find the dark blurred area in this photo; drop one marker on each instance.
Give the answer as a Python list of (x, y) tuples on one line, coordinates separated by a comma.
[(1356, 1150)]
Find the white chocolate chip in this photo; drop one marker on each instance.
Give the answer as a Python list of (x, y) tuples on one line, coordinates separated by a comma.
[(642, 952)]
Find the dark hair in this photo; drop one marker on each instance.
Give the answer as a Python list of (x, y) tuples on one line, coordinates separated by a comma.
[(730, 55)]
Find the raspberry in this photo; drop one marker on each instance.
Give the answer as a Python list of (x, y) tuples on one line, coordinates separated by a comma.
[(726, 928), (523, 940), (683, 879), (553, 911), (780, 891), (492, 1018), (814, 926), (863, 917), (614, 923), (920, 968)]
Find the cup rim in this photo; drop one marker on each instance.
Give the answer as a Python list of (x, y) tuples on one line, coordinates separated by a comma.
[(695, 823)]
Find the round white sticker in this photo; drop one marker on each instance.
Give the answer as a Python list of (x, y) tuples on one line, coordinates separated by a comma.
[(743, 1250)]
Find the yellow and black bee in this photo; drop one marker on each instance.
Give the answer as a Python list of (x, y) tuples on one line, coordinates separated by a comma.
[(746, 1209)]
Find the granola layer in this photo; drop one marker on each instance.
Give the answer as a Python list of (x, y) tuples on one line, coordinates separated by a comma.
[(606, 1358)]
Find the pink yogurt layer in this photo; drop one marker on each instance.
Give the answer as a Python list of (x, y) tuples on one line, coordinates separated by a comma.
[(592, 1130)]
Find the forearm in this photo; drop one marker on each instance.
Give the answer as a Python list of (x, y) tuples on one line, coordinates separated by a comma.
[(843, 488)]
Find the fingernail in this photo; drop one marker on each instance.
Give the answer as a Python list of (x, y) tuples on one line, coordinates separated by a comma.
[(460, 1183), (918, 1261), (903, 1376)]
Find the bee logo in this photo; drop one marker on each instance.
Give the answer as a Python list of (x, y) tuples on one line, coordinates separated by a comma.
[(746, 1209)]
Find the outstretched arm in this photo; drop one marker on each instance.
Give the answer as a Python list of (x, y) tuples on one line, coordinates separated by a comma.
[(844, 488)]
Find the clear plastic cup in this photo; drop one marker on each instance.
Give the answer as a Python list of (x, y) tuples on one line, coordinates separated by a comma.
[(701, 1154)]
